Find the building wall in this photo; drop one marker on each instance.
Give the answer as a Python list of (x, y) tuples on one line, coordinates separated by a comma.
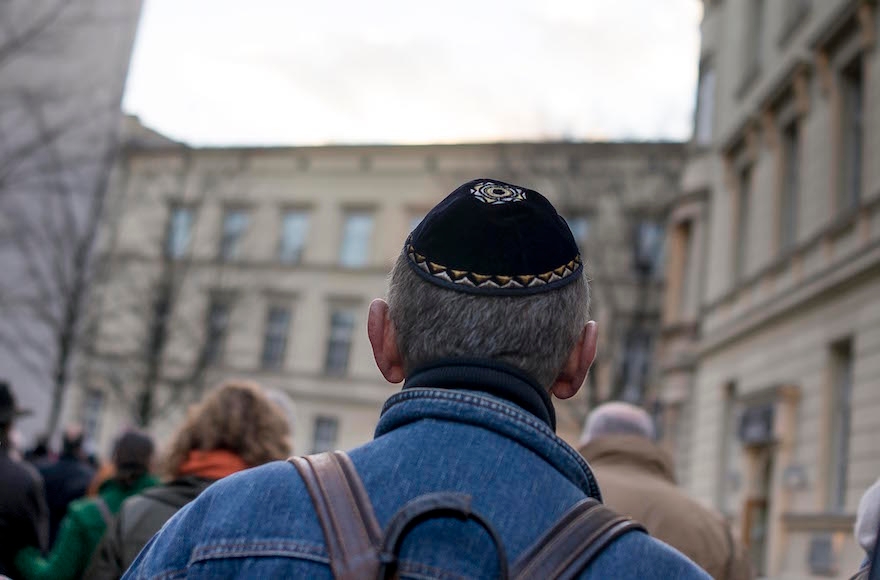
[(62, 73), (616, 185), (765, 339)]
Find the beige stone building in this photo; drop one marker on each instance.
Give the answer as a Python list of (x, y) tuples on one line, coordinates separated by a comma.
[(770, 358), (261, 262)]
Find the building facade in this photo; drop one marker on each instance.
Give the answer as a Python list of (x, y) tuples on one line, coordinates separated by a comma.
[(63, 67), (261, 262), (770, 358)]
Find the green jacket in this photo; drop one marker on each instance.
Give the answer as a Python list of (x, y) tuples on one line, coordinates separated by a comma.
[(81, 530)]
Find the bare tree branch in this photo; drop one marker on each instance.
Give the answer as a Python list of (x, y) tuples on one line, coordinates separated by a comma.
[(17, 42)]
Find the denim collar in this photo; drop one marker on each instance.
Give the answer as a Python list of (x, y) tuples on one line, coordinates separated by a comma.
[(485, 411), (497, 379)]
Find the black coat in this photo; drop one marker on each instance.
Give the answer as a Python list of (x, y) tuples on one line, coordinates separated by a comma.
[(24, 518), (65, 480)]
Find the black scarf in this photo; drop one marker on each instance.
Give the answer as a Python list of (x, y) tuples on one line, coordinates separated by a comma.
[(493, 378)]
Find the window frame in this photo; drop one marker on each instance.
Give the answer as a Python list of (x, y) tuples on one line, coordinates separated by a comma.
[(174, 209), (842, 383), (752, 45), (687, 228), (745, 190), (328, 422), (852, 162), (643, 341), (92, 415), (701, 118), (270, 334), (333, 344), (305, 213), (652, 266), (214, 349), (790, 183), (367, 243), (224, 252)]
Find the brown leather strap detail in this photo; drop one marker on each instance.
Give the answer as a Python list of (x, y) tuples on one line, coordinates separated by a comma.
[(351, 532), (566, 549)]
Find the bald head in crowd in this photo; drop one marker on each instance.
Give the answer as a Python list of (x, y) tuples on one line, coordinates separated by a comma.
[(637, 478), (618, 419)]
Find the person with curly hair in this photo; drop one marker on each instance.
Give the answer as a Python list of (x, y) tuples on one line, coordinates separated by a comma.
[(237, 426)]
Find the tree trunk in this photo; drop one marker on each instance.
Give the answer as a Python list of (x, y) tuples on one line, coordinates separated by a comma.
[(62, 360)]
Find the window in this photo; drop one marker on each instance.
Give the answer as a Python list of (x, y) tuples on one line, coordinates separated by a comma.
[(649, 248), (215, 332), (235, 223), (635, 365), (294, 230), (728, 436), (852, 126), (275, 342), (580, 229), (684, 296), (339, 343), (705, 106), (326, 430), (93, 408), (788, 207), (753, 43), (356, 234), (741, 243), (179, 228), (841, 415)]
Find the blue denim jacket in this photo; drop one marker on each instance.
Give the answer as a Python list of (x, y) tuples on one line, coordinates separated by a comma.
[(260, 523)]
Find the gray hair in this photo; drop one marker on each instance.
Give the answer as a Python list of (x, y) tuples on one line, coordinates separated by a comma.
[(618, 418), (534, 333)]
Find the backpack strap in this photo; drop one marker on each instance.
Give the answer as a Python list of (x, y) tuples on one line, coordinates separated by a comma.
[(104, 509), (351, 531), (427, 507), (567, 548)]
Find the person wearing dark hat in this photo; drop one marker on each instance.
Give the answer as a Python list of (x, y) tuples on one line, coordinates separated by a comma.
[(486, 322), (87, 519), (24, 517)]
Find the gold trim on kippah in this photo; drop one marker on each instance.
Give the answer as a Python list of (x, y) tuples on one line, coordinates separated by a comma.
[(466, 278)]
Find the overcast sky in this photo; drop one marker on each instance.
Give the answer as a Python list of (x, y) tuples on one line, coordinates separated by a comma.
[(415, 71)]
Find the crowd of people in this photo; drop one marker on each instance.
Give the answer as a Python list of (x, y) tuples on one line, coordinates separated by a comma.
[(53, 527), (486, 321)]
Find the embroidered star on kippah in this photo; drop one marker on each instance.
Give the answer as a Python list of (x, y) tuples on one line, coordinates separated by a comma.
[(497, 193)]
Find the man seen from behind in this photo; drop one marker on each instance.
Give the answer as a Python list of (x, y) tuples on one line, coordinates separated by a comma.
[(486, 321)]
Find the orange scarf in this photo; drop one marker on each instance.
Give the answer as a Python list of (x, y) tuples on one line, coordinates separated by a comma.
[(215, 464)]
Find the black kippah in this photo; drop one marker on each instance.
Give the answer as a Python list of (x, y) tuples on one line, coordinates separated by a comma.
[(491, 237)]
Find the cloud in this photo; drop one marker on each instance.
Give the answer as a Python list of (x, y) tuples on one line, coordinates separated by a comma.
[(296, 72)]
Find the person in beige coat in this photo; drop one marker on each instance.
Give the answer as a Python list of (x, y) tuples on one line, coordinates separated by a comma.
[(637, 479)]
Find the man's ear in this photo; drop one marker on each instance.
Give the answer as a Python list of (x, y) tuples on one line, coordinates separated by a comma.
[(572, 375), (383, 338)]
